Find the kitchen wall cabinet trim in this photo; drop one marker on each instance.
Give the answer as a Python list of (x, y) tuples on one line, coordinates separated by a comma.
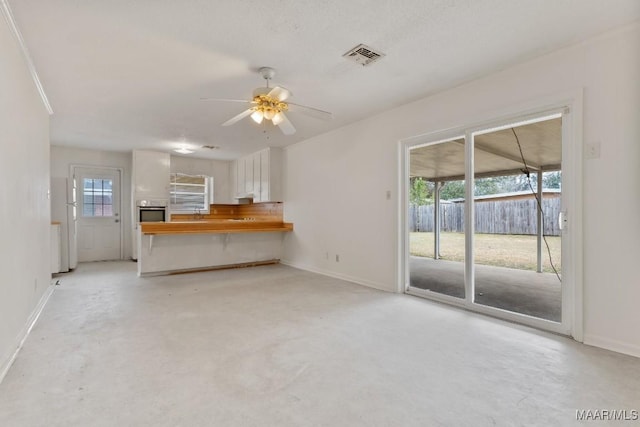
[(259, 175)]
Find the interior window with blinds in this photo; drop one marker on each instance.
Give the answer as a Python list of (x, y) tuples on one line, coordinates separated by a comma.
[(190, 193)]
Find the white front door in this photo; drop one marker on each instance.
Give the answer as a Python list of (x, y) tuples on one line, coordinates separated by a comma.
[(99, 218)]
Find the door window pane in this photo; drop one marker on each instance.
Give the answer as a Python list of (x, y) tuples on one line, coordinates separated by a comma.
[(97, 197), (436, 218), (517, 239)]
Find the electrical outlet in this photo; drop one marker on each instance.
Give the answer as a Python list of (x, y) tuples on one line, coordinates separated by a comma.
[(337, 258)]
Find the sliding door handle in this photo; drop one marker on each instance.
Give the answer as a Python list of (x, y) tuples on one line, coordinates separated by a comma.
[(562, 220)]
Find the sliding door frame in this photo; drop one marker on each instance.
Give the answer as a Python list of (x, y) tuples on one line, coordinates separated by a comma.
[(570, 106)]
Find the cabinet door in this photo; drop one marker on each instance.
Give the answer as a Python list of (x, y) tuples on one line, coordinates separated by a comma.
[(264, 176), (240, 177), (257, 184), (248, 174), (233, 179)]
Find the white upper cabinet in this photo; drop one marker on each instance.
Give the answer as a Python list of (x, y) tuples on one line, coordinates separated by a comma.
[(270, 175), (256, 175), (240, 178), (259, 175), (150, 175), (248, 175)]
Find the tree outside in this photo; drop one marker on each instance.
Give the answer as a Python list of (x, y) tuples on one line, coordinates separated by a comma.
[(421, 190)]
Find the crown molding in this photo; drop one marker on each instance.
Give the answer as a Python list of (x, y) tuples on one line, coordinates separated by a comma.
[(8, 15)]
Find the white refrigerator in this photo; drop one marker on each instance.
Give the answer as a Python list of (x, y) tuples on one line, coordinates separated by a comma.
[(64, 209)]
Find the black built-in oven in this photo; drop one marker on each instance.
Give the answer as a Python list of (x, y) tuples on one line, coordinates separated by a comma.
[(152, 214)]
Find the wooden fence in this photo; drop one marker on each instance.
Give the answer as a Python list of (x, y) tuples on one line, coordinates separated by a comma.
[(497, 217)]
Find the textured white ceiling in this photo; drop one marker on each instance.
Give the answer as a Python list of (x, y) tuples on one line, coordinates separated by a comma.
[(124, 74)]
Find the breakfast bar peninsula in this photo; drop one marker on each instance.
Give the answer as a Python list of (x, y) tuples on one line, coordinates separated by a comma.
[(228, 236)]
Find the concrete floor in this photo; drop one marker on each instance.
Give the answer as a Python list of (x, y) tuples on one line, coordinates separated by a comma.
[(277, 346), (520, 291)]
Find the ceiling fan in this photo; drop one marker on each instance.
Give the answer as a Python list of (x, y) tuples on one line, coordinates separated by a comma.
[(270, 103)]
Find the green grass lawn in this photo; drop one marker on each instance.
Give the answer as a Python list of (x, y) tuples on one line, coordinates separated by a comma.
[(502, 250)]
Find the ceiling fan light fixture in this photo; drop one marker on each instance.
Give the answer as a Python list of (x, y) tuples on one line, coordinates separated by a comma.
[(257, 116), (269, 114), (270, 103), (277, 118)]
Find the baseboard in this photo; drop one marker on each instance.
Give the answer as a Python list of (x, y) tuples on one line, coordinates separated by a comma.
[(347, 278), (613, 345), (211, 268), (5, 365)]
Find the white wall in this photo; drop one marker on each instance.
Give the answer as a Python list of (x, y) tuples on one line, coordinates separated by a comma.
[(63, 157), (24, 204), (335, 183), (218, 169)]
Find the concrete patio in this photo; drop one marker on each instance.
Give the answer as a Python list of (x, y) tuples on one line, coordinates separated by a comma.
[(520, 291)]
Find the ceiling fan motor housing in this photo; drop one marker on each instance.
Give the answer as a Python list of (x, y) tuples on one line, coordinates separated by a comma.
[(261, 91), (267, 73)]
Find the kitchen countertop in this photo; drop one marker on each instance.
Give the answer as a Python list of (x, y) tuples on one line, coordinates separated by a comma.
[(214, 226)]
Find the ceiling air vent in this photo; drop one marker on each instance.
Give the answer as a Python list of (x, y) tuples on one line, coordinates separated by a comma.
[(363, 55)]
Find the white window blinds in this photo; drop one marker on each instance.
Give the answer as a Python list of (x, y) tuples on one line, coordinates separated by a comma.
[(190, 193)]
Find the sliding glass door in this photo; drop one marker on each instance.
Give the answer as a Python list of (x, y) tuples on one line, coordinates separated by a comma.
[(436, 218), (517, 200), (482, 219)]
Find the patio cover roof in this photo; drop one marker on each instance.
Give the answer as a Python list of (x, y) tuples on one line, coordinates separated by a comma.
[(496, 153)]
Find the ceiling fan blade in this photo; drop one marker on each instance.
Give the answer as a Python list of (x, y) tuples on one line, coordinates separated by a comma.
[(310, 111), (279, 93), (285, 126), (226, 100), (237, 118)]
